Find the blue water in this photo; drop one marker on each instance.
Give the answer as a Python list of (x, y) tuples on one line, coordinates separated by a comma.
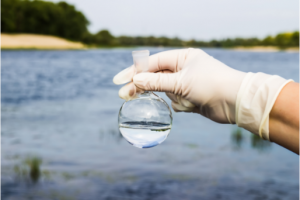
[(61, 108)]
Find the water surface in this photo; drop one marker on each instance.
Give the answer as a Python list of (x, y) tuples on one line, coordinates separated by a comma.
[(60, 137)]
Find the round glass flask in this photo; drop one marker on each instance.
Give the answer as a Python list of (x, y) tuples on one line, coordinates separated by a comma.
[(145, 121)]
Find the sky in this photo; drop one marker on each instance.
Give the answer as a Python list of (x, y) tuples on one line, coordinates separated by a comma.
[(191, 19)]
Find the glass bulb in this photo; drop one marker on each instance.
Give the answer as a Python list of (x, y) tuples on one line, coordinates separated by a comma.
[(145, 121)]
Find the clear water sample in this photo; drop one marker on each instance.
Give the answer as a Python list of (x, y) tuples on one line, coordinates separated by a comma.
[(145, 134), (145, 121)]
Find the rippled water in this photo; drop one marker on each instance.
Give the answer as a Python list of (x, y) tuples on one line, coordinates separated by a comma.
[(60, 137)]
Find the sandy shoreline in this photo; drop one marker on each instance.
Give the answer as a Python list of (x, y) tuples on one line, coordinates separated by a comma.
[(265, 49), (35, 41)]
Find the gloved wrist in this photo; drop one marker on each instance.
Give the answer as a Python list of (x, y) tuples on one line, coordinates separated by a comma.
[(255, 99)]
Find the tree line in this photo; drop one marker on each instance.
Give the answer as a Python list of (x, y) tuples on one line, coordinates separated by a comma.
[(282, 40), (64, 20)]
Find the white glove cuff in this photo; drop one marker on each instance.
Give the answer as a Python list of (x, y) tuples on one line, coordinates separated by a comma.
[(255, 99)]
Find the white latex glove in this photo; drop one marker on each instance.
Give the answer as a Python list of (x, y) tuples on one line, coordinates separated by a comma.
[(196, 82)]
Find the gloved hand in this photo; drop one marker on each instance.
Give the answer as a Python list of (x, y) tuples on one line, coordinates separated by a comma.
[(196, 82)]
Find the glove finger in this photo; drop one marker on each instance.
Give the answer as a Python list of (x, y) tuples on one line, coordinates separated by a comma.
[(127, 74), (180, 108), (172, 60), (173, 97), (127, 92), (124, 76), (165, 71), (184, 102), (163, 82)]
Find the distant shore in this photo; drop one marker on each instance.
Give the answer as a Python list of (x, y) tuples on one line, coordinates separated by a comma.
[(35, 41), (47, 42), (266, 49)]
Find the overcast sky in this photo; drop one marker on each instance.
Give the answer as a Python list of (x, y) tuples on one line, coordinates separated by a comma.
[(187, 19)]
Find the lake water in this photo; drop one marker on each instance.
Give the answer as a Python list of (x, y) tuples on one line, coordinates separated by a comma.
[(60, 136)]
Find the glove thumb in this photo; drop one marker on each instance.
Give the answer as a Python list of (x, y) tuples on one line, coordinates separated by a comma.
[(162, 82)]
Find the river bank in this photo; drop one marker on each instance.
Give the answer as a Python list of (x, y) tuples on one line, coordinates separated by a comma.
[(47, 42)]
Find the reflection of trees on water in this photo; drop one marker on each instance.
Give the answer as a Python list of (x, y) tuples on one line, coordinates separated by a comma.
[(239, 140)]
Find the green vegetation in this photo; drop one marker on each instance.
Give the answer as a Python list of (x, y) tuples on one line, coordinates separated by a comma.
[(63, 20), (237, 138), (283, 40), (30, 169), (260, 144), (192, 146), (40, 17)]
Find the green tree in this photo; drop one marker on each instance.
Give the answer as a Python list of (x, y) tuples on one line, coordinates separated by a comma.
[(8, 15), (104, 38), (268, 41), (283, 40), (41, 17), (295, 39)]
